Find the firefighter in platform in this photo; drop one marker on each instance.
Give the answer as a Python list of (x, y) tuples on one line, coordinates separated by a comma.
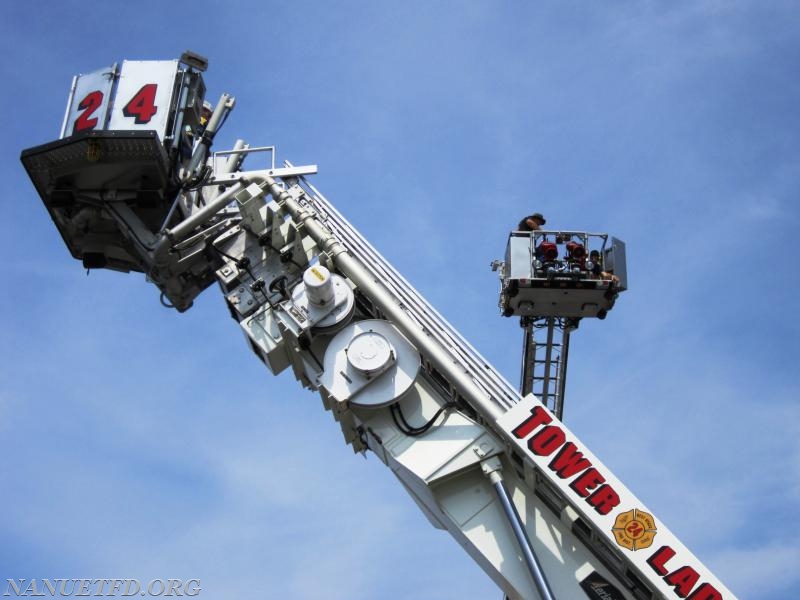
[(532, 222)]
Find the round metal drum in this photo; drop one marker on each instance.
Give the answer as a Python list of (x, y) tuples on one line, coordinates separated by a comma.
[(333, 316), (370, 353), (319, 285), (370, 364)]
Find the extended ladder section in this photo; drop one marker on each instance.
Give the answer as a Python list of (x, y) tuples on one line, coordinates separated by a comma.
[(519, 492), (544, 361)]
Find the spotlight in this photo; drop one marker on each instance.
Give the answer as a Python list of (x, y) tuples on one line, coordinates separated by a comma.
[(194, 60), (547, 251), (576, 251)]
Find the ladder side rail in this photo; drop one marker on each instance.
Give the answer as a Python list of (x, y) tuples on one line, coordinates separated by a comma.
[(353, 234), (421, 317), (548, 358), (439, 330), (527, 371), (487, 407), (403, 288), (562, 374), (435, 323), (427, 321)]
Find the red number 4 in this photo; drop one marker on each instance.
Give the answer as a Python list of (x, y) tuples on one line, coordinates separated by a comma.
[(143, 105)]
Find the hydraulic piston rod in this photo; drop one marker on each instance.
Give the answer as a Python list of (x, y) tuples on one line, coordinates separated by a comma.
[(493, 470)]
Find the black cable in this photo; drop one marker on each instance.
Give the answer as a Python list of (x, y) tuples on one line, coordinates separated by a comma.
[(394, 418), (258, 286), (244, 263), (408, 429), (278, 286), (164, 303), (191, 186)]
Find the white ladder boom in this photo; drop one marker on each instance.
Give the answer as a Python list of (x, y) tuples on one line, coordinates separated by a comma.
[(498, 470)]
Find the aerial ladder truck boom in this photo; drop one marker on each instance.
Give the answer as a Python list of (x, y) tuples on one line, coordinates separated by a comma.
[(132, 185)]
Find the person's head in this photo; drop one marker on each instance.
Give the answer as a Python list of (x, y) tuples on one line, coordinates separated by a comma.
[(538, 219), (205, 113)]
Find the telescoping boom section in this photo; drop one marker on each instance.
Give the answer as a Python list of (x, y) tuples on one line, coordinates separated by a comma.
[(517, 489)]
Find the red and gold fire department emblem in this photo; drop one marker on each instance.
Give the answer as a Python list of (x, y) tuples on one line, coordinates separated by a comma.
[(634, 529)]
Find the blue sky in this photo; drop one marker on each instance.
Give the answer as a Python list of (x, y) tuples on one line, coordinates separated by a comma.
[(139, 443)]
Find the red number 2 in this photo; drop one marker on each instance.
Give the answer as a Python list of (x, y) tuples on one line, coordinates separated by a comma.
[(88, 105), (143, 105)]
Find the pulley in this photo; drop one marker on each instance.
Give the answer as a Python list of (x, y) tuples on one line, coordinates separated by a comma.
[(369, 364)]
